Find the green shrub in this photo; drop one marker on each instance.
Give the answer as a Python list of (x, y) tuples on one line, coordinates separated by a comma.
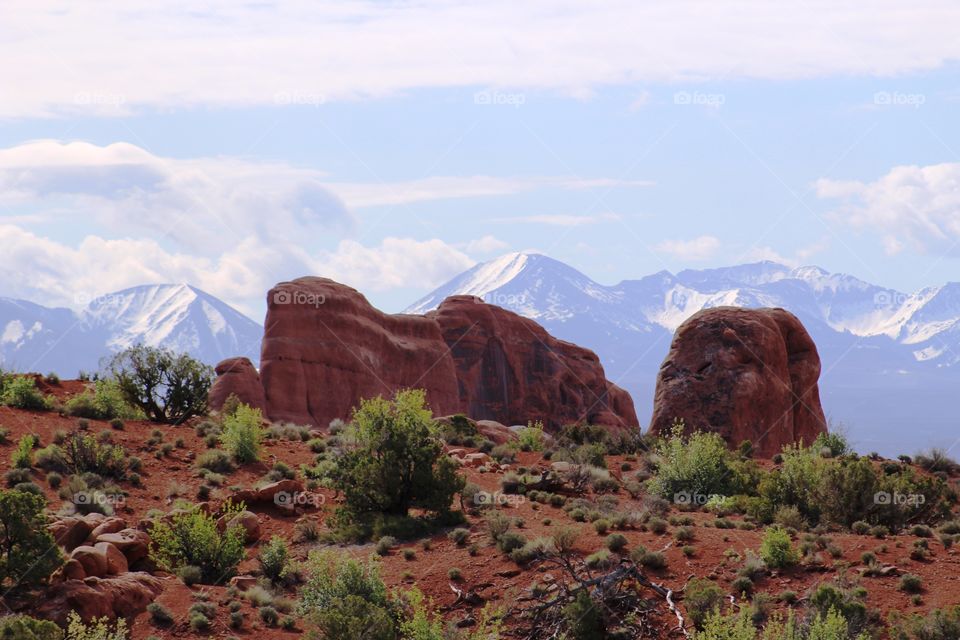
[(699, 464), (269, 615), (105, 402), (20, 392), (243, 434), (216, 460), (616, 542), (191, 538), (84, 454), (835, 442), (28, 552), (166, 387), (346, 598), (275, 559), (160, 616), (98, 629), (459, 536), (530, 438), (701, 597), (396, 462), (777, 550), (19, 627), (910, 583), (584, 618), (22, 456)]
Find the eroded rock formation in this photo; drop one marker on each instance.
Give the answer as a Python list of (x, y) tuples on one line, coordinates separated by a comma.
[(325, 347), (747, 374)]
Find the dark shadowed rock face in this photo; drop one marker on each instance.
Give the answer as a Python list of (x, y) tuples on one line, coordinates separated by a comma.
[(238, 376), (511, 370), (325, 347), (747, 374)]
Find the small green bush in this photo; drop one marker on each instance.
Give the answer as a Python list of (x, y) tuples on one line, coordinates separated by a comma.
[(702, 597), (777, 550), (243, 434), (20, 392), (192, 539), (275, 559)]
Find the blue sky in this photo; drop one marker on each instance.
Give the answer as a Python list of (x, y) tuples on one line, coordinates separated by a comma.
[(392, 145)]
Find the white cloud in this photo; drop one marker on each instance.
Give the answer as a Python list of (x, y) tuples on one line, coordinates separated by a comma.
[(53, 273), (486, 244), (697, 249), (561, 219), (114, 58), (373, 194), (910, 207), (200, 203), (395, 263)]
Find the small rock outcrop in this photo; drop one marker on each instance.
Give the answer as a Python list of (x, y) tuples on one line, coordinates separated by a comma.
[(325, 348), (122, 596), (237, 376), (747, 374)]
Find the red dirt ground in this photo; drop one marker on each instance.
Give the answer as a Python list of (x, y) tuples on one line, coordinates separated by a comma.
[(490, 573)]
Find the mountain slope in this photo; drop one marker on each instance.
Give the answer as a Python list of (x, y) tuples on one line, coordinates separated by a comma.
[(887, 357), (176, 316)]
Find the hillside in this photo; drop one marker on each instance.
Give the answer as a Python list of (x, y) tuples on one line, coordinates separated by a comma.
[(692, 541)]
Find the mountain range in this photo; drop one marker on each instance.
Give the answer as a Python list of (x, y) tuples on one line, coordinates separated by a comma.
[(177, 316), (890, 360)]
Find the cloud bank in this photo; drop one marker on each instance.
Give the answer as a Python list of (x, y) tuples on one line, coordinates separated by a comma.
[(117, 58)]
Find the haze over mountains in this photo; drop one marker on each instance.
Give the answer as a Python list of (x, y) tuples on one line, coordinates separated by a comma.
[(178, 316), (891, 361)]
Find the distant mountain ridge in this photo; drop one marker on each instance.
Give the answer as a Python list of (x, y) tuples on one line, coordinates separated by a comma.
[(888, 357), (176, 316)]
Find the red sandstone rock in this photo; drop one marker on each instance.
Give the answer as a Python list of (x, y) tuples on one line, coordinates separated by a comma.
[(511, 370), (117, 596), (134, 544), (110, 525), (70, 532), (325, 348), (93, 560), (747, 374), (240, 377), (116, 561)]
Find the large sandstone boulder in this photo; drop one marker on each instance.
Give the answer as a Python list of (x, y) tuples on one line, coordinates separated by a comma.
[(511, 370), (325, 348), (237, 376), (747, 374), (122, 596)]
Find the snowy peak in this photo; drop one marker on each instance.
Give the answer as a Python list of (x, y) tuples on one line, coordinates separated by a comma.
[(175, 316)]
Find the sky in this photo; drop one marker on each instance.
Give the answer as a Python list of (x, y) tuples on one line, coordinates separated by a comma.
[(391, 145)]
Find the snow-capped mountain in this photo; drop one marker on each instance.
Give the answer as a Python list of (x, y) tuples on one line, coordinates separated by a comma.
[(176, 316), (890, 360)]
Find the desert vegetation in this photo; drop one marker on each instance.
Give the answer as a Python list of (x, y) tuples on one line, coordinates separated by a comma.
[(395, 525)]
